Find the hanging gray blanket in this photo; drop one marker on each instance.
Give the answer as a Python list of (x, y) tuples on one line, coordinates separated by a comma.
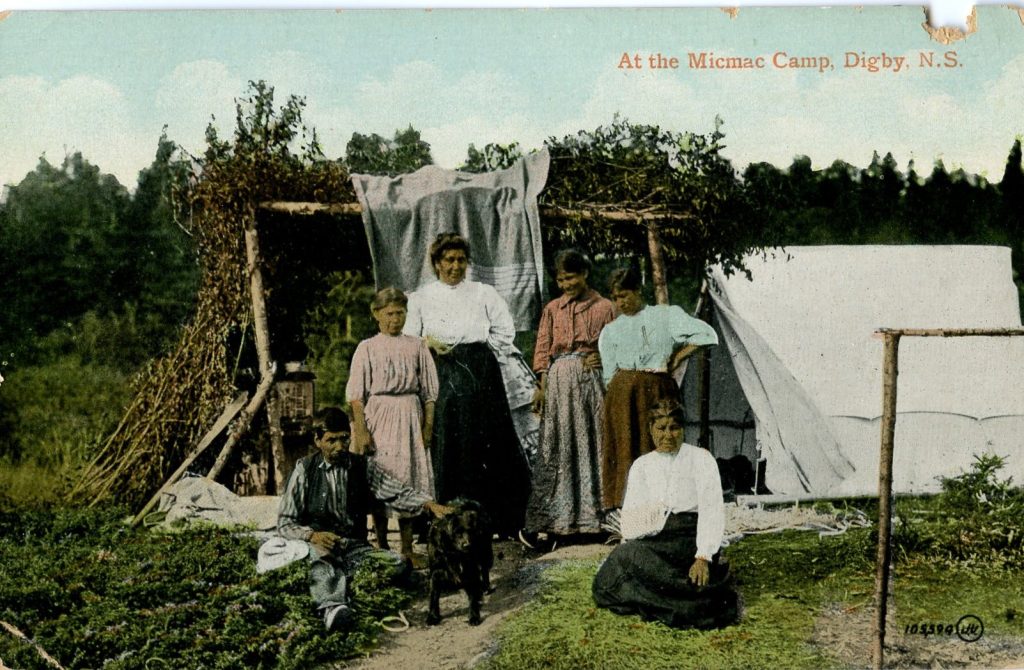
[(495, 211)]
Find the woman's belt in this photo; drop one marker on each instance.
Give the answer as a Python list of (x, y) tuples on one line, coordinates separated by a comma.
[(569, 354), (653, 371), (395, 394)]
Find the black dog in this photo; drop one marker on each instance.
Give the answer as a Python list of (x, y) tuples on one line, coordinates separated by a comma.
[(459, 553)]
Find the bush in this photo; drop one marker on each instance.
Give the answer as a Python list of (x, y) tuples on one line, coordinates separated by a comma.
[(974, 521), (334, 328), (58, 412)]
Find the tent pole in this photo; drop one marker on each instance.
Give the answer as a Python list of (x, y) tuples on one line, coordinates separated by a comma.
[(658, 274), (705, 373), (890, 372)]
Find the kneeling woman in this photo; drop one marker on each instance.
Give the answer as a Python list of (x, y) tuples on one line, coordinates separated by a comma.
[(673, 519)]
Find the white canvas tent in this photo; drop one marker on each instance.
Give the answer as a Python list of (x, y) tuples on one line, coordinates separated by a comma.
[(797, 378)]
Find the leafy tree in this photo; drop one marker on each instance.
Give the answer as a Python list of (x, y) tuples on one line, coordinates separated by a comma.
[(160, 256), (373, 154), (60, 234), (492, 157)]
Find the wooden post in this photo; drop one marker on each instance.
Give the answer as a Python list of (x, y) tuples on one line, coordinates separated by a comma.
[(704, 312), (889, 374), (244, 419), (276, 439), (257, 295), (262, 330), (658, 275)]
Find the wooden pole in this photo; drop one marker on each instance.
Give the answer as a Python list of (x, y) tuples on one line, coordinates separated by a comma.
[(244, 419), (262, 330), (258, 297), (597, 213), (953, 332), (704, 312), (276, 439), (889, 374), (658, 274)]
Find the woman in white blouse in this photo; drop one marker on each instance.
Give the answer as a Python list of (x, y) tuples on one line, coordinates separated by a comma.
[(672, 522), (475, 451)]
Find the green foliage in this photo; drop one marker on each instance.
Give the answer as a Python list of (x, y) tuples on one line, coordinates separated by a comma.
[(95, 593), (640, 169), (333, 328), (124, 340), (373, 154), (62, 231), (492, 157), (61, 430), (975, 521), (75, 241)]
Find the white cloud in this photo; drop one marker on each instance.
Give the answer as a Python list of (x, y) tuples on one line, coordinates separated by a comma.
[(81, 113), (190, 94), (450, 112)]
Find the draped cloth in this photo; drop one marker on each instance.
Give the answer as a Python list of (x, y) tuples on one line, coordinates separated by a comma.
[(495, 211)]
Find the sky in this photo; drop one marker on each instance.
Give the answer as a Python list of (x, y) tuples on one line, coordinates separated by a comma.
[(105, 83)]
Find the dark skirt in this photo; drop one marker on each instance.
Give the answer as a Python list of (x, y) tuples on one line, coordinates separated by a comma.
[(649, 576), (476, 453), (627, 431)]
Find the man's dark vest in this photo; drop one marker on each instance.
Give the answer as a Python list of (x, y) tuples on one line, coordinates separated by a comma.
[(357, 503)]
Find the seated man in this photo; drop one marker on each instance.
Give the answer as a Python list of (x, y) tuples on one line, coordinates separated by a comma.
[(326, 502)]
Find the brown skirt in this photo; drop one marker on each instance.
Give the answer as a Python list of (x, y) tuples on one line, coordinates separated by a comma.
[(627, 426)]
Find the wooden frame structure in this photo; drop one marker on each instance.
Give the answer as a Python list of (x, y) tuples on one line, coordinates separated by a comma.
[(268, 368), (890, 372)]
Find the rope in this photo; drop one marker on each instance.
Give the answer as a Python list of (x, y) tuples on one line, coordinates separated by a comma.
[(395, 624)]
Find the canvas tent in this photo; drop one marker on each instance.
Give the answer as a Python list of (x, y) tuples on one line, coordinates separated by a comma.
[(797, 378)]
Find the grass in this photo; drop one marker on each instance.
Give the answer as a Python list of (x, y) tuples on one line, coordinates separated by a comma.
[(786, 579), (929, 593), (30, 485), (95, 593), (956, 553)]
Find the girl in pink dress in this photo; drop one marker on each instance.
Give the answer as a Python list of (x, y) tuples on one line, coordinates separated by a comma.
[(392, 387)]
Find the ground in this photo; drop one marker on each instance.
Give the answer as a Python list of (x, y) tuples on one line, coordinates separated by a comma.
[(841, 634), (847, 632), (454, 644)]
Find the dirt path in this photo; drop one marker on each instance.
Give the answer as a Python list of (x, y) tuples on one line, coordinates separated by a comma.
[(847, 634), (454, 644)]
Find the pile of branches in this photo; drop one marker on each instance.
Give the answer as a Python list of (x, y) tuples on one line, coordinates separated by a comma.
[(272, 156)]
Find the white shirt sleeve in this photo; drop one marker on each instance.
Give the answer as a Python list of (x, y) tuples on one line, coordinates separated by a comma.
[(642, 513), (710, 506), (502, 331), (413, 317), (607, 348)]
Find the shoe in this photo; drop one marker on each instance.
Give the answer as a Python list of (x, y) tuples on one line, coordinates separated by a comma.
[(336, 617)]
